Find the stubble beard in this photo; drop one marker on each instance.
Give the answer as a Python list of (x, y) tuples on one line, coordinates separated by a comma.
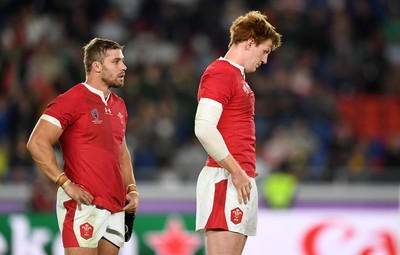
[(113, 83)]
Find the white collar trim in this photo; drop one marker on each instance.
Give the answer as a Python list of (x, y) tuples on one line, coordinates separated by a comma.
[(98, 92), (241, 68)]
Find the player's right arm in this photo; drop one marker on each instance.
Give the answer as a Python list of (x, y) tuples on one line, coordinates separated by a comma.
[(207, 117), (40, 146)]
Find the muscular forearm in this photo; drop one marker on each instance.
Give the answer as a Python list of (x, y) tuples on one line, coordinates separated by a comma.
[(127, 171), (230, 164), (40, 146), (126, 165), (206, 121), (44, 157)]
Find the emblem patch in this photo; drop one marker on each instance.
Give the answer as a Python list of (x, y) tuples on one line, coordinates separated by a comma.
[(86, 230), (121, 117), (96, 115), (236, 215), (246, 88), (107, 111)]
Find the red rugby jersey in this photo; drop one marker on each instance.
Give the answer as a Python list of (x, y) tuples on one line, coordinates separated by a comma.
[(225, 84), (92, 135)]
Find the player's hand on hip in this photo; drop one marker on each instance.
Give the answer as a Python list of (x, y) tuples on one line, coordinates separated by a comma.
[(78, 194), (243, 186)]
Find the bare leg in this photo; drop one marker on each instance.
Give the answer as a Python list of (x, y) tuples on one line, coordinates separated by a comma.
[(220, 242), (80, 251), (107, 248)]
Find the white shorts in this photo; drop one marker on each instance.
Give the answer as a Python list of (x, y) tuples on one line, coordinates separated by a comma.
[(85, 228), (217, 204)]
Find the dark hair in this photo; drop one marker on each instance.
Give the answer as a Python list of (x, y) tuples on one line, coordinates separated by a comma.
[(96, 50), (254, 25)]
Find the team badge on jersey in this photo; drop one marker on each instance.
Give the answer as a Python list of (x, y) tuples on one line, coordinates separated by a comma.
[(246, 88), (121, 118), (96, 115)]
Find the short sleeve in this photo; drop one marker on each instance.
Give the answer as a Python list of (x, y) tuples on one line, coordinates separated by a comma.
[(64, 109), (217, 85)]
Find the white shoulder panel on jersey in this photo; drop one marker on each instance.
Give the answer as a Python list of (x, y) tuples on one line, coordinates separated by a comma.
[(51, 120)]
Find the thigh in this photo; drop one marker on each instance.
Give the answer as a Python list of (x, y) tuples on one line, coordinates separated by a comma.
[(104, 247), (107, 248), (80, 228), (241, 218), (115, 232), (209, 182), (220, 242), (217, 204), (80, 251)]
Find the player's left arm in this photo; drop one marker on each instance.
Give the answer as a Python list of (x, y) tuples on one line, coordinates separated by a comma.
[(132, 195)]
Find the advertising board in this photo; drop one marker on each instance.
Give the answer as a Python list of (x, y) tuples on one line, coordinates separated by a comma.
[(280, 232)]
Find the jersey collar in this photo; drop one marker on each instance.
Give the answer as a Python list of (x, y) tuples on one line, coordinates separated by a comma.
[(98, 92), (241, 68)]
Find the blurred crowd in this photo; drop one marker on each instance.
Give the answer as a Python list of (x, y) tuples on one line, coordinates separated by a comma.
[(333, 51)]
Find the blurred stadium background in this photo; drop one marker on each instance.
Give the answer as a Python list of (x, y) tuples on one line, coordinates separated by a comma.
[(327, 117)]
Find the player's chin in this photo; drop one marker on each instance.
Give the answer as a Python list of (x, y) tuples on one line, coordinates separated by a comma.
[(252, 70), (118, 84)]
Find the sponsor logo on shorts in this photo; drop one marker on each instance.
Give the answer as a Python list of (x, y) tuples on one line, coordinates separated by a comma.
[(236, 215), (86, 230)]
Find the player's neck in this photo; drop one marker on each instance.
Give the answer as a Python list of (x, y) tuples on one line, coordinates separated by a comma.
[(99, 85), (235, 55)]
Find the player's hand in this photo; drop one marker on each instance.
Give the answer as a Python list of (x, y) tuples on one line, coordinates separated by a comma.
[(131, 205), (243, 186), (132, 202), (129, 223), (78, 194)]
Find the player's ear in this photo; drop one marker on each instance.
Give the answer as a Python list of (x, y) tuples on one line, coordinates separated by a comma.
[(250, 42), (96, 66)]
